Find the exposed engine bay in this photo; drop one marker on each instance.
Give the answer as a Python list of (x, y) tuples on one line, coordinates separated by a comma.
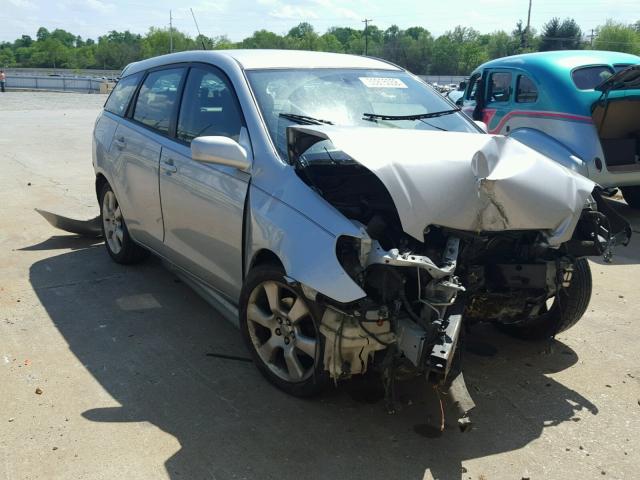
[(481, 263)]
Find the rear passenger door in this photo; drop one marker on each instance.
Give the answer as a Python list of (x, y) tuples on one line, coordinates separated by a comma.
[(203, 204), (139, 142)]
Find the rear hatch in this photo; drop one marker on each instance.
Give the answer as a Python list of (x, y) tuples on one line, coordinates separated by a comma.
[(617, 118)]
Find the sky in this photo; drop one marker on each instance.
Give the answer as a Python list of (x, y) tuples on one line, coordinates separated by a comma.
[(240, 18)]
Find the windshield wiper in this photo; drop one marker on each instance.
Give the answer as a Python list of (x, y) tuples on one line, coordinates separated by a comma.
[(419, 116), (304, 119)]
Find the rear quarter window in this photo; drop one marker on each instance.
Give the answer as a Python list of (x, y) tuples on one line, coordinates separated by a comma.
[(588, 78), (121, 95)]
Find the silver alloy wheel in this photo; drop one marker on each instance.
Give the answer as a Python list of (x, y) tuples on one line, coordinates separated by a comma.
[(112, 221), (281, 329)]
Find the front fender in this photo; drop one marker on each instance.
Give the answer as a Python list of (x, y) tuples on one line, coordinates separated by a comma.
[(306, 250), (550, 147)]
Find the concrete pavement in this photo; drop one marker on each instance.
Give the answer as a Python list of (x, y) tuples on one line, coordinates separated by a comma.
[(126, 359)]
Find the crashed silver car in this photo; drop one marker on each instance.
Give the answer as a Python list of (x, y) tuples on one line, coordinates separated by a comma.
[(346, 214)]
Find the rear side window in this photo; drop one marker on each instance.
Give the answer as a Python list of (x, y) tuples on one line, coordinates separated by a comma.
[(121, 95), (209, 107), (618, 67), (499, 87), (588, 78), (526, 90), (157, 99)]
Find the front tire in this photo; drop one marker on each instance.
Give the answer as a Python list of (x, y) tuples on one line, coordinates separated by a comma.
[(121, 248), (280, 328), (631, 196), (563, 313)]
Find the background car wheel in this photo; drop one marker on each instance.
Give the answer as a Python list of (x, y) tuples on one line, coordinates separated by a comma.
[(563, 313), (280, 328), (114, 230), (631, 196)]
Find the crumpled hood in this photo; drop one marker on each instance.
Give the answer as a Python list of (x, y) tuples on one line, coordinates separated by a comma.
[(466, 181)]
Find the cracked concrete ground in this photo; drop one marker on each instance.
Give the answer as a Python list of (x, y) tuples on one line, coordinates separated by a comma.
[(129, 388)]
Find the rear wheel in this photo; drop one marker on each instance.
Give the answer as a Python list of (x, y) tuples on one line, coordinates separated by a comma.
[(120, 246), (280, 328), (631, 196), (561, 312)]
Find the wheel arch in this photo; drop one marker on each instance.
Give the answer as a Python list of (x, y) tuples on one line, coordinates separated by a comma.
[(277, 233), (101, 181), (264, 256)]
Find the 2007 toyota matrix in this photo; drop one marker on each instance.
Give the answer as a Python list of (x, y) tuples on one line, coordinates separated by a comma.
[(345, 213)]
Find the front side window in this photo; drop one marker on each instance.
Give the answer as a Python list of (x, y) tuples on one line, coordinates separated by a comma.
[(588, 78), (119, 99), (157, 98), (349, 97), (499, 87), (209, 107), (526, 90)]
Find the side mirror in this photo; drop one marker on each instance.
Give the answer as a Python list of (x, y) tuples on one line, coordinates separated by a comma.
[(482, 125), (460, 101), (220, 151)]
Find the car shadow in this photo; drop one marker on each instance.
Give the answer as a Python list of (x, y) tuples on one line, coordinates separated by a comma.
[(169, 359), (59, 242)]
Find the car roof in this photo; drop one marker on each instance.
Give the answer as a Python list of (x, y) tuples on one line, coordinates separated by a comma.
[(265, 59), (562, 60)]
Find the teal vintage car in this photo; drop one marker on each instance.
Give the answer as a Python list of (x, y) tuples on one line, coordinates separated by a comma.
[(581, 108)]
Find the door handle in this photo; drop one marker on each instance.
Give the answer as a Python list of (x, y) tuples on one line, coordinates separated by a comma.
[(168, 166), (120, 142)]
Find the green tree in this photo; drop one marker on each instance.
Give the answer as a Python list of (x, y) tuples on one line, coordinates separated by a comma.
[(303, 37), (7, 58), (64, 37), (329, 43), (565, 35), (23, 41), (42, 34), (619, 37), (117, 49), (50, 53), (263, 39), (158, 41), (501, 44)]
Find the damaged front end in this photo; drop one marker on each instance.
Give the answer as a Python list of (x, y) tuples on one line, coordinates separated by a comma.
[(468, 228)]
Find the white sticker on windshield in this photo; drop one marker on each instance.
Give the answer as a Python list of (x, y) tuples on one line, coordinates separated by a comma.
[(382, 82)]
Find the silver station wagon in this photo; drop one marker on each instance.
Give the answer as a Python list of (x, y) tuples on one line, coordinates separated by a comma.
[(346, 215)]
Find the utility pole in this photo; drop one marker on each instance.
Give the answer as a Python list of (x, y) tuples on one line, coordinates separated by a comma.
[(170, 32), (366, 35), (591, 37), (526, 32)]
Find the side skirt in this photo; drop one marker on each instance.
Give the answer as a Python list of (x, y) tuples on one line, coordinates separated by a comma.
[(211, 296)]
